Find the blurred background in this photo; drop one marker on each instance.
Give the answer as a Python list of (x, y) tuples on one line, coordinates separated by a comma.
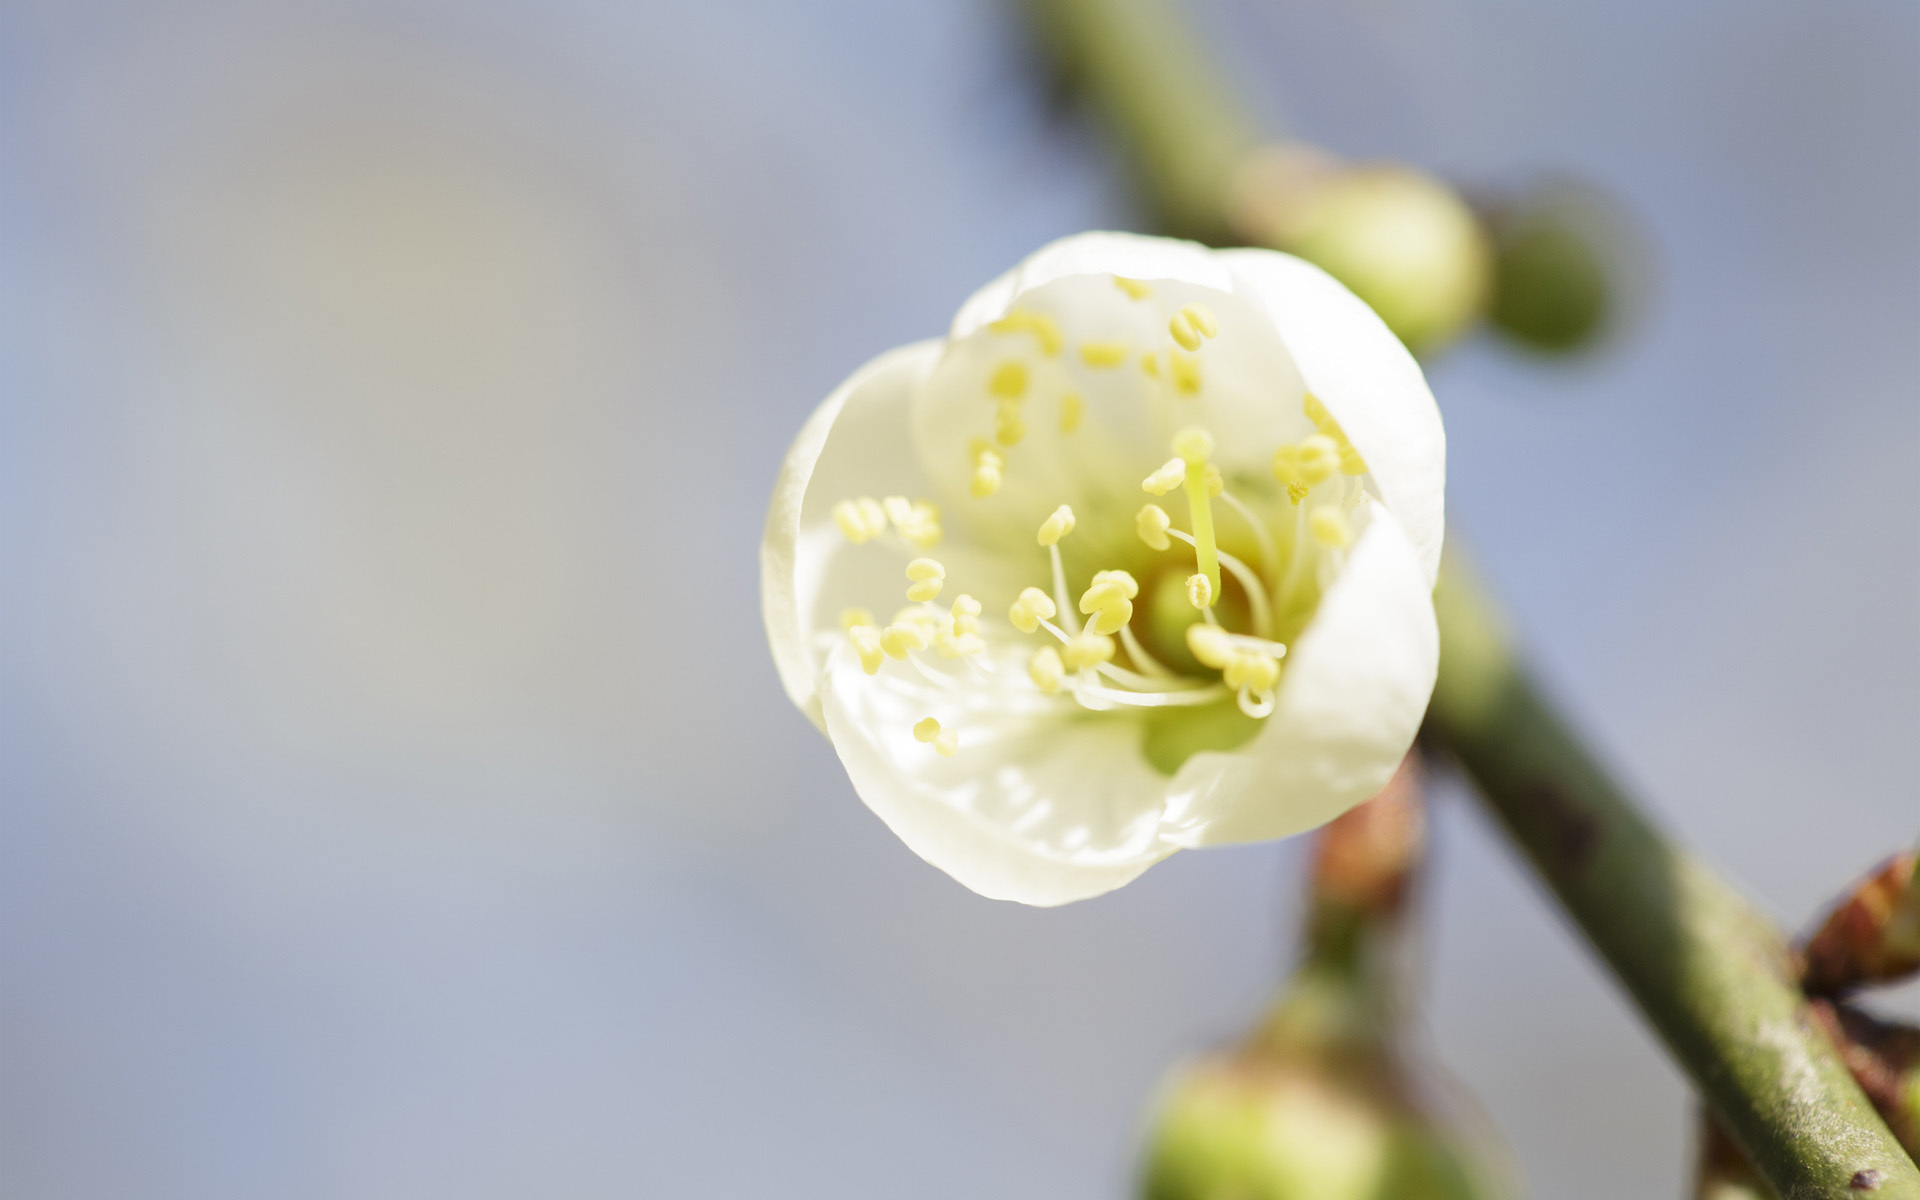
[(396, 798)]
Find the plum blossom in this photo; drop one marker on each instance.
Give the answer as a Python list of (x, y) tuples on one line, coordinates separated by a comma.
[(1138, 558)]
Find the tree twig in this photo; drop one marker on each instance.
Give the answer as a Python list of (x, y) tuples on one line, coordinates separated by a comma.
[(1712, 976)]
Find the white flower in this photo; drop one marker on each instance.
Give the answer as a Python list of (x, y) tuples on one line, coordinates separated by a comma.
[(1151, 538)]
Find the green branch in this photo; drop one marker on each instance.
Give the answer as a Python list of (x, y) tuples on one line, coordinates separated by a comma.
[(1712, 976)]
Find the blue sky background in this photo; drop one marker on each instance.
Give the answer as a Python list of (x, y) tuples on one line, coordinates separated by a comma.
[(395, 795)]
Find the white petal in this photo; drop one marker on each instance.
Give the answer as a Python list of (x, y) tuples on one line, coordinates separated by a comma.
[(1367, 380), (1133, 255), (871, 400), (1355, 688), (1040, 805)]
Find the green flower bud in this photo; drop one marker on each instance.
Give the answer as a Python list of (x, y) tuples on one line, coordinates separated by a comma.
[(1401, 240), (1565, 262)]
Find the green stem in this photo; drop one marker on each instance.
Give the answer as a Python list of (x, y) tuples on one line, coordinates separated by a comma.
[(1181, 127), (1710, 973)]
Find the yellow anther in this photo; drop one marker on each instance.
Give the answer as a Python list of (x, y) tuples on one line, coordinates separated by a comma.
[(1150, 364), (1109, 601), (951, 642), (1329, 527), (926, 730), (1008, 426), (1030, 608), (1212, 645), (1057, 526), (947, 744), (1181, 327), (1186, 372), (1087, 650), (1132, 287), (1152, 524), (920, 615), (849, 617), (1071, 410), (1043, 327), (1111, 617), (860, 520), (966, 614), (1193, 445), (1202, 319), (918, 521), (1216, 482), (1350, 461), (926, 577), (1008, 381), (1199, 591), (1046, 670), (866, 643), (902, 636), (1313, 460), (1250, 670), (1103, 354), (1170, 475), (987, 465), (1100, 595), (1128, 585)]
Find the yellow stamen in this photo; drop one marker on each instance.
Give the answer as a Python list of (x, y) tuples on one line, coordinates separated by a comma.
[(1181, 327), (1008, 426), (1350, 461), (902, 636), (1087, 650), (918, 521), (849, 617), (1194, 446), (1128, 585), (1150, 363), (1330, 528), (987, 467), (1071, 410), (1132, 287), (1212, 645), (1046, 670), (1186, 372), (1109, 601), (1056, 526), (966, 614), (1255, 672), (860, 520), (1043, 327), (1169, 476), (866, 643), (1008, 381), (1313, 460), (947, 744), (1102, 355), (1152, 524), (1199, 591), (1202, 319), (927, 730), (927, 577), (1030, 608)]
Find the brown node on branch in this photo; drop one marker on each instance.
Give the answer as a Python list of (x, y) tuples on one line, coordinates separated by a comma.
[(1365, 860), (1871, 936)]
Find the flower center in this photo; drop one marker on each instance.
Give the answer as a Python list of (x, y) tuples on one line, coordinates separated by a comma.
[(1234, 560)]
